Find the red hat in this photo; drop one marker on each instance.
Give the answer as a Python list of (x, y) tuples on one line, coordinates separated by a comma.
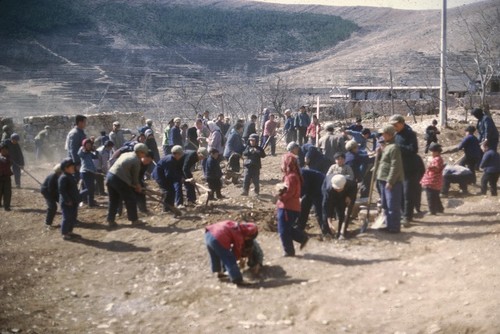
[(249, 229), (85, 141)]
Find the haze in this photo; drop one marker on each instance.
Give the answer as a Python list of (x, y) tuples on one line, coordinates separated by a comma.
[(400, 4)]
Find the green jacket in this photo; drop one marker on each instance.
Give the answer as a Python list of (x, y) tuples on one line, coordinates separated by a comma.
[(390, 168)]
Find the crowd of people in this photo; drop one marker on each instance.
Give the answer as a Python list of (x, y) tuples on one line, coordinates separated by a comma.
[(327, 172)]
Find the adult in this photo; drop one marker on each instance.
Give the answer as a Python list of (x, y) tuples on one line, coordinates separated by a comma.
[(486, 128), (189, 161), (105, 153), (203, 132), (249, 128), (168, 174), (6, 133), (269, 134), (153, 147), (123, 182), (221, 123), (331, 143), (313, 130), (225, 242), (117, 135), (338, 193), (75, 139), (288, 205), (103, 137), (406, 140), (234, 142), (191, 139), (166, 146), (215, 140), (310, 195), (16, 157), (357, 126), (390, 178), (289, 128), (302, 121), (147, 126), (41, 139), (175, 136)]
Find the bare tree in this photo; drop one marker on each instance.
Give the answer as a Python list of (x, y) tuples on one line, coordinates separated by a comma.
[(481, 62), (278, 93)]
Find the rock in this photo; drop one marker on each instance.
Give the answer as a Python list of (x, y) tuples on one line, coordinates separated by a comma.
[(109, 307), (74, 294), (325, 322), (261, 317), (433, 329), (15, 330), (383, 289)]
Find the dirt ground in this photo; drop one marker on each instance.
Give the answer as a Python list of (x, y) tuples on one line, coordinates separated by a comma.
[(441, 275)]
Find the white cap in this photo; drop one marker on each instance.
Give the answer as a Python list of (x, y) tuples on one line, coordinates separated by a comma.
[(338, 181)]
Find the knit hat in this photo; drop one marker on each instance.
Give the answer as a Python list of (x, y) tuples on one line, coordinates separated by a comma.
[(177, 120), (15, 136), (116, 123), (396, 118), (389, 129), (338, 181), (203, 151), (291, 145), (351, 145), (141, 148), (177, 149), (66, 163), (254, 136), (148, 132), (85, 141)]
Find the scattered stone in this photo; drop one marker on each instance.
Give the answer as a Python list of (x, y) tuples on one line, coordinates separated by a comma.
[(261, 317), (433, 329), (383, 289), (163, 302), (325, 322), (103, 326), (109, 307), (15, 330)]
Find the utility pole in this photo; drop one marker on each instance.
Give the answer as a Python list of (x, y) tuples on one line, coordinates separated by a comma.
[(392, 93), (442, 85)]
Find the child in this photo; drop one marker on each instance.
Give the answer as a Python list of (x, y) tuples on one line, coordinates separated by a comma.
[(51, 194), (225, 243), (69, 199), (313, 129), (5, 174), (214, 174), (472, 150), (432, 181), (340, 167), (252, 156), (490, 164), (87, 155), (430, 135)]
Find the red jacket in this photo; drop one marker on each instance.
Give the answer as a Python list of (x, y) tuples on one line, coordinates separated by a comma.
[(433, 177), (5, 166), (231, 235), (290, 199)]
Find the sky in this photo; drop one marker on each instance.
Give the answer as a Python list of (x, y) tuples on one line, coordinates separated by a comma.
[(400, 4)]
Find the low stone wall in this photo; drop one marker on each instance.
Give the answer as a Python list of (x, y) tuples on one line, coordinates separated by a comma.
[(61, 125)]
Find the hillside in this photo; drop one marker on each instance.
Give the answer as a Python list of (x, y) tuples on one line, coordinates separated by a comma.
[(95, 55)]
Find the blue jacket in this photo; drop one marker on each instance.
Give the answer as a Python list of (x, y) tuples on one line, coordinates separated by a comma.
[(487, 130), (313, 181), (289, 124), (317, 160), (408, 144), (68, 189), (87, 160), (470, 145), (167, 172), (75, 139), (252, 157), (213, 170), (302, 120), (175, 136), (234, 145), (490, 162)]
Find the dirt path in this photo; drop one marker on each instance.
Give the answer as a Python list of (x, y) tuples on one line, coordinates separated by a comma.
[(439, 276)]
